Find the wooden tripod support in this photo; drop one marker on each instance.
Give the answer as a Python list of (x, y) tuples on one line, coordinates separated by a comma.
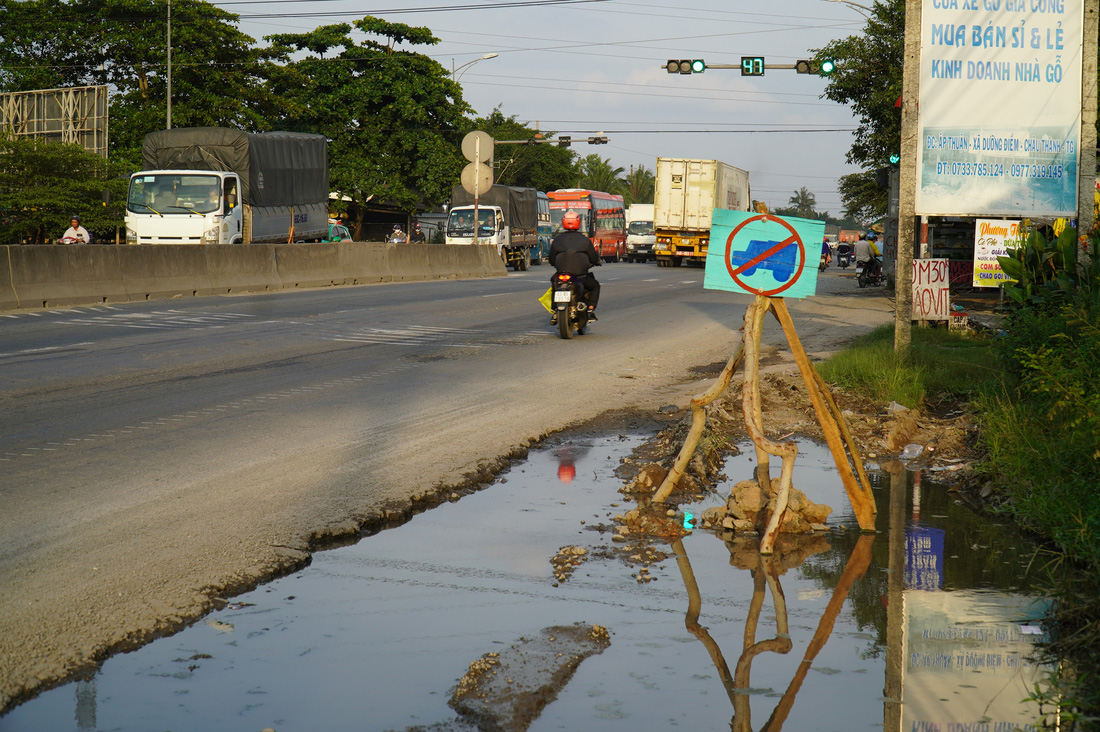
[(829, 416)]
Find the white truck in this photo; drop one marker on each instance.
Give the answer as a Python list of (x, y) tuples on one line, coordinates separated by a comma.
[(640, 238), (212, 185), (686, 193), (515, 221)]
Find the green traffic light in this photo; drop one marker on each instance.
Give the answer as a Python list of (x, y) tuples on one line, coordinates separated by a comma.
[(827, 67), (698, 66), (895, 159)]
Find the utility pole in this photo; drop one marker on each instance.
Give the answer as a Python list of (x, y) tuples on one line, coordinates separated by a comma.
[(907, 196)]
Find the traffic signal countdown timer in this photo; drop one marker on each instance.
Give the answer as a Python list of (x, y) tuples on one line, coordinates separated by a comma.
[(752, 66)]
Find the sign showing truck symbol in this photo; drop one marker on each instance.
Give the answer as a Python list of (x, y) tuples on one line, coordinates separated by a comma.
[(781, 261), (762, 254)]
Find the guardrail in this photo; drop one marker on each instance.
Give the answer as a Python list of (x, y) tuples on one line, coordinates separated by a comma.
[(47, 276)]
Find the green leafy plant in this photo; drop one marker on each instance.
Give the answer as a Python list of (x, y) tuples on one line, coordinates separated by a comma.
[(1046, 271)]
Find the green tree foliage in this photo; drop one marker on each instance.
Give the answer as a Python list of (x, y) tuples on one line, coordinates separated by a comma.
[(217, 75), (543, 166), (43, 184), (868, 78), (394, 118), (640, 186), (597, 174)]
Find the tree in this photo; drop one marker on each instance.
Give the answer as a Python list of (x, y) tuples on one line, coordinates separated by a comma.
[(640, 186), (394, 118), (803, 203), (218, 77), (43, 184), (543, 166), (597, 174), (868, 77)]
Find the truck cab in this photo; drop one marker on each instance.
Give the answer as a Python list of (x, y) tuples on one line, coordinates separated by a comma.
[(184, 207), (640, 236)]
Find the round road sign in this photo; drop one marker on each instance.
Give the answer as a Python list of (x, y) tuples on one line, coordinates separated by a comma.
[(475, 153)]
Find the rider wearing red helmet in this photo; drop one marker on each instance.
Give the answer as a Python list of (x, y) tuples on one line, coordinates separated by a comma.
[(572, 252)]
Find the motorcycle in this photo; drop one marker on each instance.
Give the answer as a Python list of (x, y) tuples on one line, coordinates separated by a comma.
[(843, 259), (570, 309), (865, 277), (824, 264)]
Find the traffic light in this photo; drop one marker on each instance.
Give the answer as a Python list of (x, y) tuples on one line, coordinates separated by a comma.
[(598, 140), (825, 68), (686, 66), (895, 158), (565, 140), (752, 66)]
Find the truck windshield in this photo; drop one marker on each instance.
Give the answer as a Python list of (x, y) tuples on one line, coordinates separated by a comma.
[(461, 221), (640, 228), (174, 193)]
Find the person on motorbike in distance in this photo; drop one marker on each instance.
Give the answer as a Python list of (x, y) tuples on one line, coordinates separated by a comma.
[(826, 252), (867, 253), (77, 233), (572, 252), (398, 236), (417, 237)]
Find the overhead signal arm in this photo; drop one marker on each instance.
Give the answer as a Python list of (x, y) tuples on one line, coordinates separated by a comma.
[(751, 66)]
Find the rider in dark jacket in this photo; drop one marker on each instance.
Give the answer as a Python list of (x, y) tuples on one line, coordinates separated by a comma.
[(572, 252)]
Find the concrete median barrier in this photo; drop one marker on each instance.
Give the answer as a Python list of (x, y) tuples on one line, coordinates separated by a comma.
[(44, 276), (365, 263), (409, 262), (239, 268), (159, 272), (309, 265)]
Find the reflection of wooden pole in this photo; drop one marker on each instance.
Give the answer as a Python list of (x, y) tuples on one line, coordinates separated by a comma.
[(863, 501), (691, 619), (698, 423), (750, 403), (895, 604), (856, 567)]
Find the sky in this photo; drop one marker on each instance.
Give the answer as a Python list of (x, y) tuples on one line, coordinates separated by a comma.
[(584, 67)]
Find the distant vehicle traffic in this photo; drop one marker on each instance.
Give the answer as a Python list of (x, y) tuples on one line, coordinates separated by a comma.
[(603, 218), (211, 185), (640, 238), (509, 218), (686, 194)]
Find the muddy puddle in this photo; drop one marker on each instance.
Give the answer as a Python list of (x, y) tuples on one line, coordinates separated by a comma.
[(926, 625)]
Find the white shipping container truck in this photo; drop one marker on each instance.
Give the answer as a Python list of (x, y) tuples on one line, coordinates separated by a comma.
[(687, 192)]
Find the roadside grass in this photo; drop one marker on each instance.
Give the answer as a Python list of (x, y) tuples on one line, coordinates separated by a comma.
[(941, 366)]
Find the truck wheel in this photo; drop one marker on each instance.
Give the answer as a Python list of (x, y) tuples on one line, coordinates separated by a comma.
[(677, 261), (524, 263)]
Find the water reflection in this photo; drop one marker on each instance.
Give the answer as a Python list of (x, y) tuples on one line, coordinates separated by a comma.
[(790, 552), (922, 626)]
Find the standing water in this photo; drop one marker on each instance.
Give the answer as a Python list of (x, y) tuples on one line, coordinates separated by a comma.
[(925, 625)]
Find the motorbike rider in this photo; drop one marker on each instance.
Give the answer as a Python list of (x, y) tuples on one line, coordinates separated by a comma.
[(867, 254), (77, 233), (417, 236), (572, 252), (398, 236), (826, 252)]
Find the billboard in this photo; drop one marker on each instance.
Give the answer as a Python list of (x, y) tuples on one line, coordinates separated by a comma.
[(1000, 107), (75, 115)]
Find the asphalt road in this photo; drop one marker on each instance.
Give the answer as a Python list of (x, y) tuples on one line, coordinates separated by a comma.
[(156, 455)]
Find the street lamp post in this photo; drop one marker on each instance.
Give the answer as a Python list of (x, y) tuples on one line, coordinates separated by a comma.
[(454, 72), (861, 9), (169, 44)]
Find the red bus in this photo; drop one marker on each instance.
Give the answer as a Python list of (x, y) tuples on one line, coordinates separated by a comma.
[(603, 218)]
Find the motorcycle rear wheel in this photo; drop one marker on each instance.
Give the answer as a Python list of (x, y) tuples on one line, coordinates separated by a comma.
[(565, 328)]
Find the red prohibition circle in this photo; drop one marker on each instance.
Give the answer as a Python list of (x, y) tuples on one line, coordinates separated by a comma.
[(794, 235)]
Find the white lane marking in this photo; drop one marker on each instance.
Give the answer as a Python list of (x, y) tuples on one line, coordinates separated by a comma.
[(44, 349)]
